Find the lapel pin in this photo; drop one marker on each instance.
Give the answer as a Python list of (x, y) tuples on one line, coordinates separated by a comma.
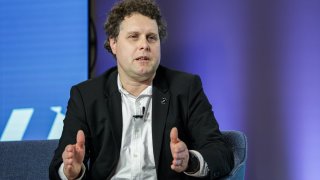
[(164, 100)]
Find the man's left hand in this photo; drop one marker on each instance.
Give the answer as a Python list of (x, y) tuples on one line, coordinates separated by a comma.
[(179, 151)]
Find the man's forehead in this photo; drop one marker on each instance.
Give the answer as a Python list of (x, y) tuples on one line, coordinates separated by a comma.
[(137, 23), (136, 18)]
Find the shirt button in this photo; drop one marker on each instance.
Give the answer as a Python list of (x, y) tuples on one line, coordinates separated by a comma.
[(135, 155)]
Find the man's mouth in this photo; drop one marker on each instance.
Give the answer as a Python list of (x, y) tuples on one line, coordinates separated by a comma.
[(142, 58)]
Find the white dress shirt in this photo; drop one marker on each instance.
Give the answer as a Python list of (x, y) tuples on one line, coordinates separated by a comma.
[(136, 155)]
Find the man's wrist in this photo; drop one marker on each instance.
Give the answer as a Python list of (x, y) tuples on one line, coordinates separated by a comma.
[(63, 176), (193, 164)]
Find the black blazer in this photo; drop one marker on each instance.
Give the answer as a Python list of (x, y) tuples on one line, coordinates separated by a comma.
[(178, 101)]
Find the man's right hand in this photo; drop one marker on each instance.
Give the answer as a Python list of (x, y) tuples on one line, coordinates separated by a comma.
[(73, 156)]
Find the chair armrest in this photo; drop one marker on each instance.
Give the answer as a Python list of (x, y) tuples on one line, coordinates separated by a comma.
[(238, 142)]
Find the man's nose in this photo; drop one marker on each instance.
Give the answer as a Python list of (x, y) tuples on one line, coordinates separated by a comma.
[(144, 44)]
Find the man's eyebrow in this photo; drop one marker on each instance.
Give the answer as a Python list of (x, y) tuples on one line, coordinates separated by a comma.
[(132, 32), (137, 32), (152, 33)]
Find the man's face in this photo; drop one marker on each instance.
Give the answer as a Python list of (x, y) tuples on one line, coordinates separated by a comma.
[(137, 48)]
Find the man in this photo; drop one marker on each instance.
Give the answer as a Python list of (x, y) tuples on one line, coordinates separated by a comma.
[(139, 120)]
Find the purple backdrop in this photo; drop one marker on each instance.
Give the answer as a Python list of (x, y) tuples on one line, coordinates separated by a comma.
[(260, 66)]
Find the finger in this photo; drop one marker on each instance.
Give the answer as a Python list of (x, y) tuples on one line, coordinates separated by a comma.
[(179, 155), (179, 148), (69, 155), (80, 140), (179, 165), (68, 161), (174, 135), (69, 148), (177, 162), (177, 168)]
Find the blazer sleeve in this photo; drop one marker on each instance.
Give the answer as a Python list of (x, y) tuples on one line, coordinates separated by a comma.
[(205, 134), (74, 121)]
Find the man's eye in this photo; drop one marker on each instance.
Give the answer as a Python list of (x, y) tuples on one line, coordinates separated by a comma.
[(152, 38), (133, 36)]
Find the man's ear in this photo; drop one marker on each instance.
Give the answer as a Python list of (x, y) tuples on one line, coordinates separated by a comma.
[(113, 45)]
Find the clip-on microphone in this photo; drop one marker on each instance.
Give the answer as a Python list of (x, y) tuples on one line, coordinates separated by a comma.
[(140, 116)]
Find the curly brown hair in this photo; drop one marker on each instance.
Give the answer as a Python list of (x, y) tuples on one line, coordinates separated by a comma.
[(125, 8)]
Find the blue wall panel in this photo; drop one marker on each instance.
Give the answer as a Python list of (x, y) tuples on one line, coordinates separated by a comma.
[(43, 51)]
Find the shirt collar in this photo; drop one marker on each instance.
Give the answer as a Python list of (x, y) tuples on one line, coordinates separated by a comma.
[(145, 92)]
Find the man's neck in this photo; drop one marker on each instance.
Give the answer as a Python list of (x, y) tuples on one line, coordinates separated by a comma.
[(135, 87)]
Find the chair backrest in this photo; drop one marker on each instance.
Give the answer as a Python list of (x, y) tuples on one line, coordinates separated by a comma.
[(31, 159), (26, 159), (238, 141)]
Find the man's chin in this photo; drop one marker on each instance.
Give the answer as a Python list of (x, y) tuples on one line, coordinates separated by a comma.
[(146, 74), (145, 71)]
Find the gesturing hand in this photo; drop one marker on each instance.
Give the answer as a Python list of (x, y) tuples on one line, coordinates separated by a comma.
[(73, 156), (179, 152)]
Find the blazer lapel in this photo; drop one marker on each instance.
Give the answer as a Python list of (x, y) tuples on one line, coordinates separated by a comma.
[(114, 107), (160, 105)]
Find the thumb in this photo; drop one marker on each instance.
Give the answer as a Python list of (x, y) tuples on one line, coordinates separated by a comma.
[(80, 139), (174, 135)]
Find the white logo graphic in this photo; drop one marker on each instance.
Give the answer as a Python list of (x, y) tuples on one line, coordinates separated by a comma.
[(57, 126), (17, 124), (20, 118)]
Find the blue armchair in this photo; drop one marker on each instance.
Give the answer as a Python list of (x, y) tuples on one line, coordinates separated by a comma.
[(238, 142), (31, 159)]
